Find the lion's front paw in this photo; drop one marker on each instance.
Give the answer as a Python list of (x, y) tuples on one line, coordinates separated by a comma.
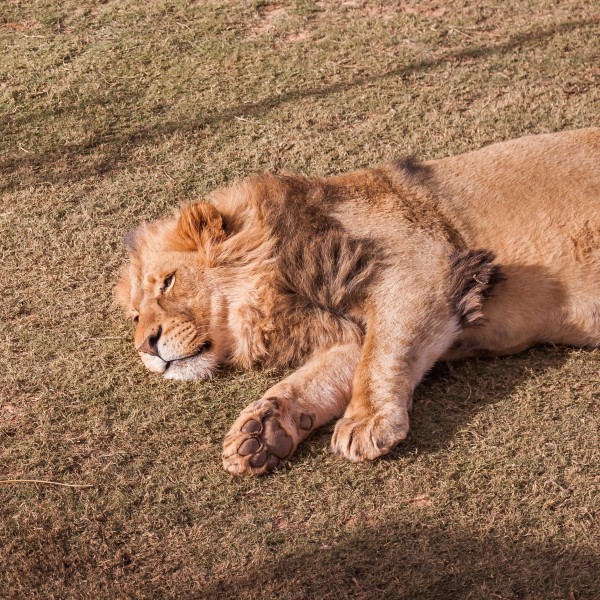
[(260, 439), (359, 438)]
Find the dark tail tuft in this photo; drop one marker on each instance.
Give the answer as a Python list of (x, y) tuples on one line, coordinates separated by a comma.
[(473, 277)]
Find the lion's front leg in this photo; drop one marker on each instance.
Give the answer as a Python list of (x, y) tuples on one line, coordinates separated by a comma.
[(401, 344), (269, 430)]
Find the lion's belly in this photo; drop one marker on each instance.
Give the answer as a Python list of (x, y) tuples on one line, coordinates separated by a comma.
[(535, 203)]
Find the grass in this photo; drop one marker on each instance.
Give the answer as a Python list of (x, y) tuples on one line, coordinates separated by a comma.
[(112, 112)]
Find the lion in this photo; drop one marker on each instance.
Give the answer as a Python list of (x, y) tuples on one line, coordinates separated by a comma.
[(362, 281)]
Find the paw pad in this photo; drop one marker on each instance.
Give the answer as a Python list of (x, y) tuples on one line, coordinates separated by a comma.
[(278, 441), (259, 459), (306, 421), (252, 426), (249, 447), (261, 443)]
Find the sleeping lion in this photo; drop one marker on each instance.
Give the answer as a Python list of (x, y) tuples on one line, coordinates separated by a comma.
[(362, 281)]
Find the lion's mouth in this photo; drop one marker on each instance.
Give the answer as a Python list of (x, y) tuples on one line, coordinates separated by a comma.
[(204, 347), (199, 364)]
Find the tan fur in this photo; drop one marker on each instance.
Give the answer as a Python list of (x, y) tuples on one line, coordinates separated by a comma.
[(364, 280)]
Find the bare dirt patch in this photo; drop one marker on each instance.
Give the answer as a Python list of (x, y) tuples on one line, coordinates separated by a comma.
[(267, 18)]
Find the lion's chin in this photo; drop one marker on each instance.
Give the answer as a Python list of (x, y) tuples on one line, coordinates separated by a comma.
[(187, 369)]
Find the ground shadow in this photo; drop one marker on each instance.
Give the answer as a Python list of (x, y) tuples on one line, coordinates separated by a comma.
[(415, 560), (454, 393), (115, 145)]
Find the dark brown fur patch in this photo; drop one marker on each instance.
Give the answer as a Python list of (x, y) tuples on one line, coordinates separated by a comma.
[(414, 170), (317, 259), (329, 269), (321, 272), (473, 276)]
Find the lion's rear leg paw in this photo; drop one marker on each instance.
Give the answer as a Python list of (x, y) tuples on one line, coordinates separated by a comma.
[(261, 438)]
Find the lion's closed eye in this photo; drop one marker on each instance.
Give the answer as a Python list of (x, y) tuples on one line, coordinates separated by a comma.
[(168, 283)]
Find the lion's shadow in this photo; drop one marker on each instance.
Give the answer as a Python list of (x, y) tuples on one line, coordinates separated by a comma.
[(452, 394)]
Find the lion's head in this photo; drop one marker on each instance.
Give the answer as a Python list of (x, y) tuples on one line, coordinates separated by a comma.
[(170, 289), (218, 282)]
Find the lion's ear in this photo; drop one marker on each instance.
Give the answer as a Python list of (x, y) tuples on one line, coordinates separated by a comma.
[(201, 224)]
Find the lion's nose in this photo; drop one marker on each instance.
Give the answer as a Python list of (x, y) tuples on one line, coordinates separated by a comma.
[(150, 345)]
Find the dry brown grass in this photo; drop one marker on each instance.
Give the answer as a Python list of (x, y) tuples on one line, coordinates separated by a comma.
[(114, 111)]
